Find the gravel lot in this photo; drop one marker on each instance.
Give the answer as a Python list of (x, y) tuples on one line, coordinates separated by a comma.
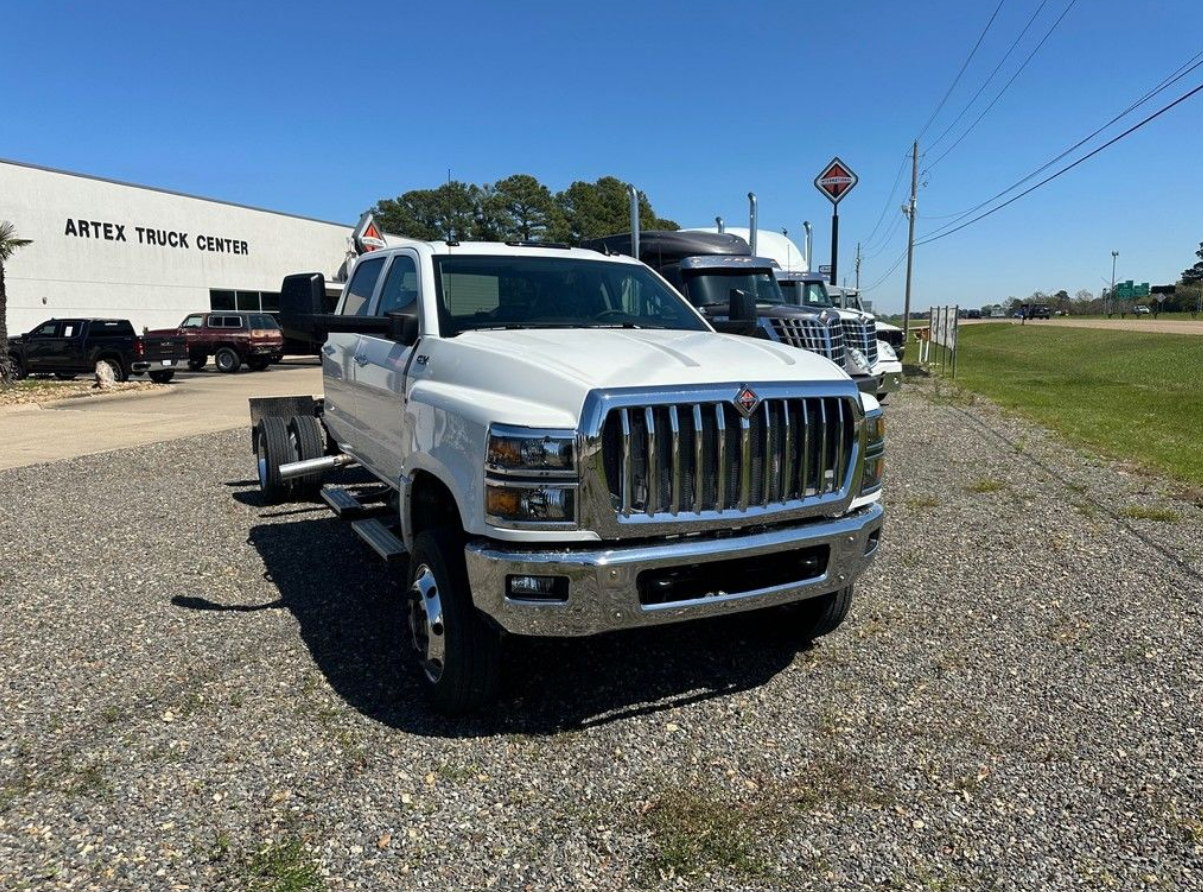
[(202, 693)]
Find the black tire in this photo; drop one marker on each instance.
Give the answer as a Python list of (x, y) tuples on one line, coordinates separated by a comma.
[(196, 363), (257, 365), (305, 436), (64, 376), (822, 616), (272, 449), (466, 675), (227, 360), (17, 366), (118, 367), (162, 376)]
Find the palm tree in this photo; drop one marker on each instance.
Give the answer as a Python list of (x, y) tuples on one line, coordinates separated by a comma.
[(9, 243)]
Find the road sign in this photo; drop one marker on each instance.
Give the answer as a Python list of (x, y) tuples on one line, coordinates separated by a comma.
[(1141, 290), (836, 180), (824, 269)]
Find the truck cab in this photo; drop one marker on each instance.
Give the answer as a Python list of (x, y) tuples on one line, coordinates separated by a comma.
[(706, 267), (564, 446)]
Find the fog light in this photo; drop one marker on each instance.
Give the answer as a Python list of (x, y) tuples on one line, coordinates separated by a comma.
[(536, 588)]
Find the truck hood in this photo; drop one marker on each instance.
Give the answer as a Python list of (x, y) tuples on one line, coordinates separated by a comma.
[(557, 368), (164, 332)]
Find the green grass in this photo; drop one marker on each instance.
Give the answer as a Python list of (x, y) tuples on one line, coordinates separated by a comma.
[(986, 484), (284, 867), (1140, 512), (1130, 395)]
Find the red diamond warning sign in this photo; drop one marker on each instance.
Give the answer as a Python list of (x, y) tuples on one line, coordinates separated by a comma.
[(367, 235), (836, 180)]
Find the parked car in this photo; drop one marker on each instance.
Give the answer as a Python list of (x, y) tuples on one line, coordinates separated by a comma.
[(1142, 310), (231, 339), (68, 347)]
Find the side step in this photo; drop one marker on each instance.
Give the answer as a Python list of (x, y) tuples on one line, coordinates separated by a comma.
[(381, 539), (346, 506)]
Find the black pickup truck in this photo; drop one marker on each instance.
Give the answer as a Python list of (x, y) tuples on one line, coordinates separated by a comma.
[(68, 347)]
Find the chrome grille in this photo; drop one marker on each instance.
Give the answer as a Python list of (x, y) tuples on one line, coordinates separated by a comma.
[(812, 335), (862, 335), (691, 458)]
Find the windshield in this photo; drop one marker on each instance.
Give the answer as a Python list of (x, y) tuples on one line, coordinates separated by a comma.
[(712, 287), (477, 292), (805, 294)]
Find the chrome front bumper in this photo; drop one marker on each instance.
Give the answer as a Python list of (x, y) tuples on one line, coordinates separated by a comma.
[(603, 588)]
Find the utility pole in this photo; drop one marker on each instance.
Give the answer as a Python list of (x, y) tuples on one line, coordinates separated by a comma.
[(910, 245), (858, 267), (1111, 294)]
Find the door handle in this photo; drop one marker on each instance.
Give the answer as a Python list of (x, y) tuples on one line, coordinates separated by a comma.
[(360, 359), (328, 350)]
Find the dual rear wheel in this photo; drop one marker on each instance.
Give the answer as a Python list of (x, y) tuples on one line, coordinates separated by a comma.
[(278, 442)]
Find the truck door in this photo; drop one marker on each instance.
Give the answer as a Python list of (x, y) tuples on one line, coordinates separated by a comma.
[(339, 357), (381, 366), (43, 346)]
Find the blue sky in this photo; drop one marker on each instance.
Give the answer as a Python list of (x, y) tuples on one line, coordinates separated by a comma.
[(311, 109)]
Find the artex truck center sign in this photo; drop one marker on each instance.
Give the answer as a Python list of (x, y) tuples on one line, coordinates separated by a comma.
[(108, 249)]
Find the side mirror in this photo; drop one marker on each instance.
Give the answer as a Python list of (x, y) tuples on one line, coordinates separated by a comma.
[(302, 299), (402, 328), (743, 306)]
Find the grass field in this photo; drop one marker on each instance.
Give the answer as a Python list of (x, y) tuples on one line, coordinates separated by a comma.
[(1129, 395)]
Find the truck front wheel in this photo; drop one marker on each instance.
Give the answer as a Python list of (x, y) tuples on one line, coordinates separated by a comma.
[(457, 651), (821, 616)]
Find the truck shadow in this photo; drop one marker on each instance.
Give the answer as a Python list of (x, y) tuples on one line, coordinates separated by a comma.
[(348, 607)]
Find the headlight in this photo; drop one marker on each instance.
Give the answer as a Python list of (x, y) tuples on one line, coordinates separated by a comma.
[(530, 476), (885, 351), (525, 450), (530, 503), (875, 449), (859, 359)]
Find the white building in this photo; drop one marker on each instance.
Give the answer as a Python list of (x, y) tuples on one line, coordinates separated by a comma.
[(103, 248)]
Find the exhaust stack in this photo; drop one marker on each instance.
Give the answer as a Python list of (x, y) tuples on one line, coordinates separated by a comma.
[(752, 221), (634, 194), (809, 234), (718, 221)]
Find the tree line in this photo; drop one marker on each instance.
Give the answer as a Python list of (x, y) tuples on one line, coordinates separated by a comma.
[(516, 208)]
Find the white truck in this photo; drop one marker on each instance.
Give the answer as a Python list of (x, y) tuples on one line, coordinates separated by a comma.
[(564, 446)]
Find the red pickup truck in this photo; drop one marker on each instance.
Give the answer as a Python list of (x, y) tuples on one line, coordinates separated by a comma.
[(231, 338)]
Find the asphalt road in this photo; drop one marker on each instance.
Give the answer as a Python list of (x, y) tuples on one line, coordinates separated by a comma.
[(1132, 323), (195, 403), (201, 692)]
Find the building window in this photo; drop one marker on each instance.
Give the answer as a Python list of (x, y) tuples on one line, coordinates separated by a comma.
[(244, 301)]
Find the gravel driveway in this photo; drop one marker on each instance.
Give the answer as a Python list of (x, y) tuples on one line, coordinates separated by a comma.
[(198, 692)]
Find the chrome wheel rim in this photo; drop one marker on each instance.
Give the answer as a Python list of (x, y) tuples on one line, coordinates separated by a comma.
[(426, 627)]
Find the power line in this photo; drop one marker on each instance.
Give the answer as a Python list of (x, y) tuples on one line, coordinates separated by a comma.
[(1161, 111), (1169, 80), (889, 201), (957, 79), (889, 237), (986, 82), (897, 263), (1006, 86)]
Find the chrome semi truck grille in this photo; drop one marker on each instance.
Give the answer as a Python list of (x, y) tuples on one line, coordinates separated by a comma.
[(862, 335), (812, 335), (691, 458)]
